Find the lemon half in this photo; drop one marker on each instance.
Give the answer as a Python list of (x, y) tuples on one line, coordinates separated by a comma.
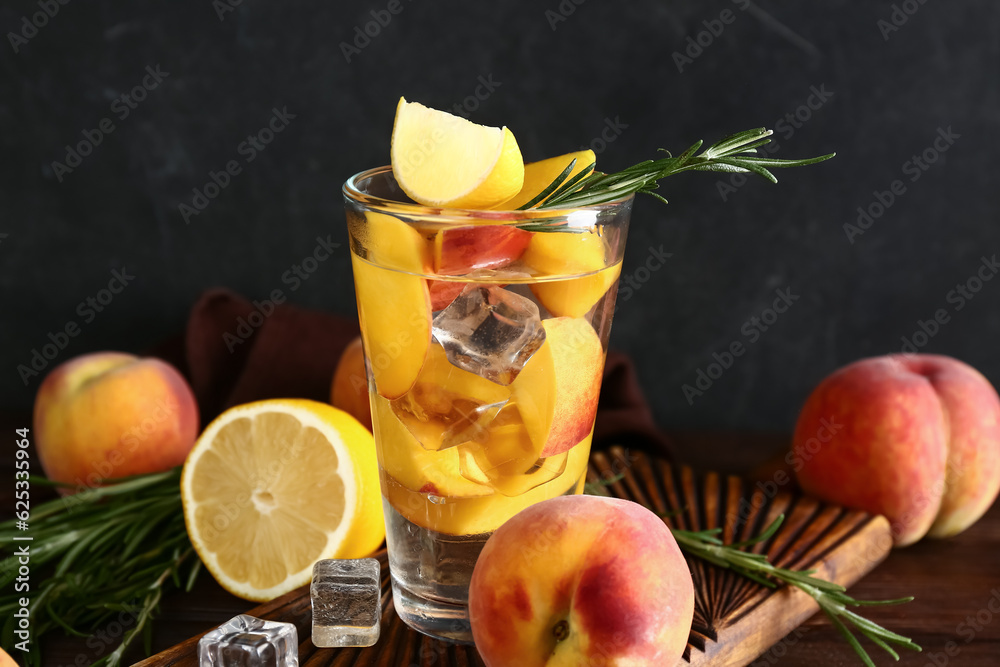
[(273, 486)]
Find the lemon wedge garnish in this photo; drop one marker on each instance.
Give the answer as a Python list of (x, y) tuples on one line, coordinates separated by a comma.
[(447, 161)]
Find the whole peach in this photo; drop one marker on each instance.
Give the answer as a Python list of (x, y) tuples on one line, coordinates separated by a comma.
[(349, 390), (913, 437), (581, 580), (110, 414)]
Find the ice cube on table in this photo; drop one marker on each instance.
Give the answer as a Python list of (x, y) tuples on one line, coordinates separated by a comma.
[(246, 641), (346, 602), (490, 331)]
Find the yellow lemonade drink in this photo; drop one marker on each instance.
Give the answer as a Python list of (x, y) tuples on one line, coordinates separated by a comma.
[(486, 288), (485, 335)]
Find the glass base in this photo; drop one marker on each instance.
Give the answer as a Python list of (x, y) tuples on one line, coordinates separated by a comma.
[(436, 618), (431, 572)]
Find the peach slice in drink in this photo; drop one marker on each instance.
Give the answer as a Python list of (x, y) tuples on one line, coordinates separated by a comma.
[(556, 392), (393, 301), (569, 253), (475, 515), (507, 459), (443, 292), (539, 175), (543, 471), (471, 250), (415, 467), (447, 405), (465, 249)]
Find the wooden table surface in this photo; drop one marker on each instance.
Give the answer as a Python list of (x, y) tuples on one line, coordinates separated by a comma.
[(955, 617)]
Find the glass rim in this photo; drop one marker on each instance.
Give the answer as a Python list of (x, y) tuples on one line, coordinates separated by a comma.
[(353, 192)]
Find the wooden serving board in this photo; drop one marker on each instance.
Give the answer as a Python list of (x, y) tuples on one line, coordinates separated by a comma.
[(735, 620)]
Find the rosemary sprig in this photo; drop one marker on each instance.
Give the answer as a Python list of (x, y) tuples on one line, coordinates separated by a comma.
[(832, 598), (735, 153), (101, 557)]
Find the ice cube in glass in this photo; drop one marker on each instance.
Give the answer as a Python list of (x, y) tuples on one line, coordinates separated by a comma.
[(490, 331)]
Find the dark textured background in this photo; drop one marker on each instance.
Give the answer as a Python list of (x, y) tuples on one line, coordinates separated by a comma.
[(557, 89)]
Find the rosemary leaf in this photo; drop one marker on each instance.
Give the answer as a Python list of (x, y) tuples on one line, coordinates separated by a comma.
[(831, 598), (100, 553), (574, 183), (736, 153), (551, 187)]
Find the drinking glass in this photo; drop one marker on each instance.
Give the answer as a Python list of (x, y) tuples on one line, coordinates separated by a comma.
[(485, 333)]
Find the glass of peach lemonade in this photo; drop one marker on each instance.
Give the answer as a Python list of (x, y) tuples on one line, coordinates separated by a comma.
[(485, 334)]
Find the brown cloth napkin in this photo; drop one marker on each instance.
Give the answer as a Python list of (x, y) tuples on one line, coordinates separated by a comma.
[(234, 351)]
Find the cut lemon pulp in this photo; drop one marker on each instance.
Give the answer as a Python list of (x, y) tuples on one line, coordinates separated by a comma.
[(443, 160), (274, 486)]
